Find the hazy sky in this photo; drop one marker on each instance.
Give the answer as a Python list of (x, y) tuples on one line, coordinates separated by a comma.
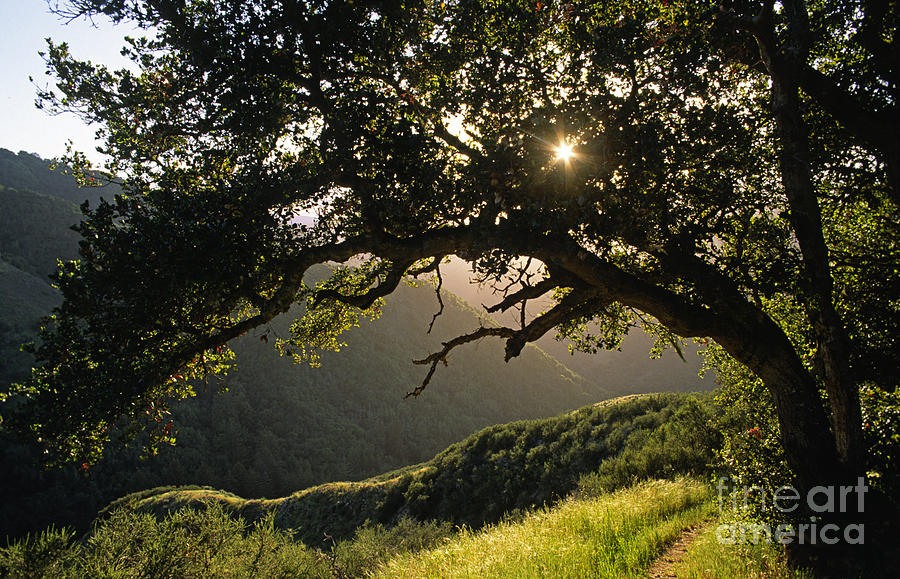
[(24, 24)]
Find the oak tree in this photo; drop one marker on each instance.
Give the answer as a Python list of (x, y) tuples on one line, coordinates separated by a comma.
[(726, 171)]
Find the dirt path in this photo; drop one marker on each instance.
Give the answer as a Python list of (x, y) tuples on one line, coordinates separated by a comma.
[(664, 566)]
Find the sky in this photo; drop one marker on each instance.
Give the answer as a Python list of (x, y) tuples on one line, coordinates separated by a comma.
[(24, 26)]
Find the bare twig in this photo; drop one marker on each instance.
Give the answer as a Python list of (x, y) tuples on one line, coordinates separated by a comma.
[(437, 292), (428, 268), (577, 304), (522, 278)]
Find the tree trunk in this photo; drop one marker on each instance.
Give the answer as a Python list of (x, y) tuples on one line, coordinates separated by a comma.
[(813, 456), (786, 64), (808, 442)]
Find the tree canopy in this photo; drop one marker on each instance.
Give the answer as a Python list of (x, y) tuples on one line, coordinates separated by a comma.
[(731, 176)]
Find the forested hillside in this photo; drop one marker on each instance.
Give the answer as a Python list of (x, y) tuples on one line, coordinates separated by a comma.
[(37, 209), (34, 233), (284, 426), (28, 172)]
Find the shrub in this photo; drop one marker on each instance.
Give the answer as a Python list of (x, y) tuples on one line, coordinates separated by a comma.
[(881, 432), (374, 544), (188, 543), (683, 443)]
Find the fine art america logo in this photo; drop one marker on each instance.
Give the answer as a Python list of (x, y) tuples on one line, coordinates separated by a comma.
[(822, 500)]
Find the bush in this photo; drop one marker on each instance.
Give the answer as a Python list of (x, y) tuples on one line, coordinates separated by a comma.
[(374, 544), (189, 543), (207, 542), (50, 553), (530, 463), (684, 443), (881, 432)]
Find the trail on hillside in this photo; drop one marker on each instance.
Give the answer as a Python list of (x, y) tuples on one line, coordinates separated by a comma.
[(665, 564)]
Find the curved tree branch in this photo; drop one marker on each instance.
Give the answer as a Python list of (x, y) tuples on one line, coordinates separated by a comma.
[(365, 300), (528, 292), (577, 304)]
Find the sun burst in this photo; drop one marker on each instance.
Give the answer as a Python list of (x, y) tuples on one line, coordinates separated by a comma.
[(565, 151)]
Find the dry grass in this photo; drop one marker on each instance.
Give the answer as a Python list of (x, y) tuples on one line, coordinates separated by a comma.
[(616, 535)]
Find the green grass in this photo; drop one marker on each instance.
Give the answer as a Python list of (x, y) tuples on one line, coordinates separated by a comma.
[(616, 535), (708, 559)]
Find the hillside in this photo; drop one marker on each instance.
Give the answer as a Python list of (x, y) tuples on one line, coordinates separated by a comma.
[(621, 534), (500, 469), (611, 490), (509, 486), (281, 426), (27, 172), (25, 298), (34, 233), (662, 528), (38, 207)]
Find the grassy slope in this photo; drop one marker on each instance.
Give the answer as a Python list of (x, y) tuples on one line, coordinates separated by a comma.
[(500, 469), (611, 535), (608, 535), (586, 533), (615, 535)]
